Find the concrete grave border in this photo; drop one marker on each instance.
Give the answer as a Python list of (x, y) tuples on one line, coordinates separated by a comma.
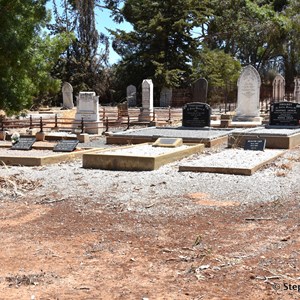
[(108, 161)]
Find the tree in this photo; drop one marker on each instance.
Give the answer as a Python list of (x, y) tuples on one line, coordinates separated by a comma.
[(221, 70), (20, 22), (161, 46), (84, 63)]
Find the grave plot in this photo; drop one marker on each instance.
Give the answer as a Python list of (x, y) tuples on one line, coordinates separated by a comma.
[(40, 153), (232, 161), (210, 137), (275, 138), (143, 157)]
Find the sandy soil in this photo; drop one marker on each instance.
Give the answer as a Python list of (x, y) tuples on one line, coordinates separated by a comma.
[(60, 247)]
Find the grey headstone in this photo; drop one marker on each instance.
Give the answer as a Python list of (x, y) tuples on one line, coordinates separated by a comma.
[(199, 90), (131, 95), (165, 97), (67, 91)]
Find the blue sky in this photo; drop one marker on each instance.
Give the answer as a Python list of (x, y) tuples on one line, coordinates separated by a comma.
[(103, 21)]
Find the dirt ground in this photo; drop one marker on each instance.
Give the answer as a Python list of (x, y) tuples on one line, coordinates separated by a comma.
[(60, 249)]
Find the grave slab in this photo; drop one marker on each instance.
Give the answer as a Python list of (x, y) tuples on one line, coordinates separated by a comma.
[(232, 161), (142, 157), (210, 137), (38, 157), (275, 138)]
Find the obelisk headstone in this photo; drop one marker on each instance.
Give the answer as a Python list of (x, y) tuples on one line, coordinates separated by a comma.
[(146, 113)]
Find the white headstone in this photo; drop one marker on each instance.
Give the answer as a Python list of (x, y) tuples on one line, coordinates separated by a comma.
[(131, 95), (67, 91), (88, 110), (278, 88), (248, 94), (165, 97), (147, 101), (297, 90)]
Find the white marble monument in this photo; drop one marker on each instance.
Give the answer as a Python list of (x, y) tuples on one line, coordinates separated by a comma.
[(278, 88), (165, 97), (88, 109), (146, 113), (131, 95), (248, 95), (67, 91)]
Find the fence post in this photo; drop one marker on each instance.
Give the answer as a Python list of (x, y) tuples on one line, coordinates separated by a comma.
[(30, 122), (103, 114), (128, 122), (2, 123), (106, 129), (56, 121), (82, 125), (41, 124), (169, 120)]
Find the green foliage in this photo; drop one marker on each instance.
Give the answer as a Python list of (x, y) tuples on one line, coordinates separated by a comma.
[(20, 21), (161, 46), (220, 69)]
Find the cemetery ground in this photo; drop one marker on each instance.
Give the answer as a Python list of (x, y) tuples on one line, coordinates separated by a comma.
[(74, 233)]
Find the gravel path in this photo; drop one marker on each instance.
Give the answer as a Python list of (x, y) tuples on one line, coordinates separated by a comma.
[(165, 190)]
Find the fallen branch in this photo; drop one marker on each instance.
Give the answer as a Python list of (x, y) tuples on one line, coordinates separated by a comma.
[(259, 219)]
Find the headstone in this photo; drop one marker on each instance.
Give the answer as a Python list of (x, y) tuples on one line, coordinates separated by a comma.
[(278, 88), (165, 97), (285, 114), (196, 114), (248, 95), (297, 90), (146, 113), (67, 91), (131, 95), (65, 146), (88, 108), (168, 142), (23, 144), (255, 144), (199, 90)]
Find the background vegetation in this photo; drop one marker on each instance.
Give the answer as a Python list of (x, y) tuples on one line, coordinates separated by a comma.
[(173, 42)]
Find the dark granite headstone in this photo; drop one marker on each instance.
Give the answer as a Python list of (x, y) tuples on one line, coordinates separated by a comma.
[(196, 114), (23, 144), (199, 90), (285, 114), (65, 146), (255, 144)]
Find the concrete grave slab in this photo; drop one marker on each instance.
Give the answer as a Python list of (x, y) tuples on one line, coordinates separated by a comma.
[(275, 138), (232, 161), (37, 157), (209, 136), (142, 157)]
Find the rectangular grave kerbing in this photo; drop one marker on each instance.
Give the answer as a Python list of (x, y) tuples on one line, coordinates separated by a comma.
[(285, 114), (255, 144), (196, 114), (23, 144), (65, 146)]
